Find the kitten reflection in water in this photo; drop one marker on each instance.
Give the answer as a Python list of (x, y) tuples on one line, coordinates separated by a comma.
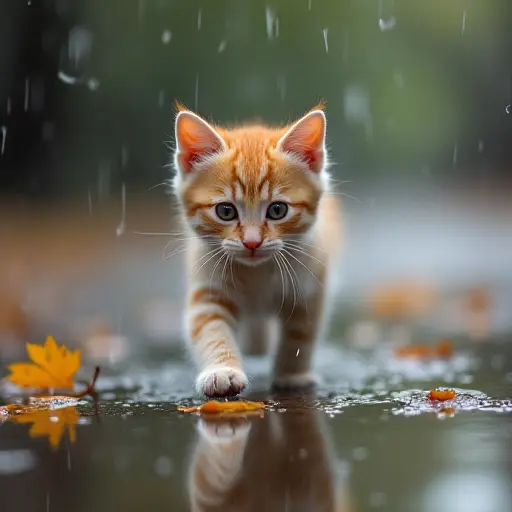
[(281, 462)]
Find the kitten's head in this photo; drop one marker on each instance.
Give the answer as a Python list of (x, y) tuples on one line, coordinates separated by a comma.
[(251, 187)]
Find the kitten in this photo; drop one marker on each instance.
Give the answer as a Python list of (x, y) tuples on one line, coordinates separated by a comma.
[(264, 237)]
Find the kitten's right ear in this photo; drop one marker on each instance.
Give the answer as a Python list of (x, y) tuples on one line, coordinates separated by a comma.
[(195, 140)]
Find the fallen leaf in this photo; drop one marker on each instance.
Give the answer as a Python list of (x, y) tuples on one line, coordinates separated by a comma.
[(52, 367), (418, 351), (443, 348), (402, 299), (442, 395), (49, 416), (214, 407), (50, 423)]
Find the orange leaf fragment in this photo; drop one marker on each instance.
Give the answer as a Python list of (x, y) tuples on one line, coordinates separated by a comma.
[(442, 395), (443, 348), (52, 367), (215, 407), (419, 351)]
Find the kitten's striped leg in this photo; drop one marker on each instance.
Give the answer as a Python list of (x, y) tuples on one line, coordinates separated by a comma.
[(300, 333), (212, 324)]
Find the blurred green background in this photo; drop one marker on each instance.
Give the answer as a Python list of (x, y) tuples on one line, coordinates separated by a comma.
[(416, 91)]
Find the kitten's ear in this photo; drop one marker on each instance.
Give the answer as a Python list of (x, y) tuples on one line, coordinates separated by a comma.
[(306, 140), (195, 140)]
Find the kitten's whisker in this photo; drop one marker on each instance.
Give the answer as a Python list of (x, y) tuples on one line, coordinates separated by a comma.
[(224, 272), (298, 241), (215, 253), (346, 195), (179, 250), (217, 263), (286, 265), (298, 249), (305, 266), (143, 233), (296, 279), (231, 270), (282, 282)]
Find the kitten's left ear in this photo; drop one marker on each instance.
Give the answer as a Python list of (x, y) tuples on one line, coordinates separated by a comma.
[(195, 140), (306, 140)]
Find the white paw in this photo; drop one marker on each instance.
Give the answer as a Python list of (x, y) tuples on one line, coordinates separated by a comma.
[(224, 431), (296, 381), (219, 381)]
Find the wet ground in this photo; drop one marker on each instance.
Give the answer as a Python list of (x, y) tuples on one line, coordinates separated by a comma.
[(368, 439)]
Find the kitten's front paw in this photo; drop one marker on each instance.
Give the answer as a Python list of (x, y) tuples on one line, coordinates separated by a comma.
[(224, 431), (220, 381), (296, 381)]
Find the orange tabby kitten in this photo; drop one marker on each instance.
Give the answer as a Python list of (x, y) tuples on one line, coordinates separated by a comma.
[(264, 237)]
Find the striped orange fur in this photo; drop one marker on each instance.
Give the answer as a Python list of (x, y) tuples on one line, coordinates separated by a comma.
[(263, 236)]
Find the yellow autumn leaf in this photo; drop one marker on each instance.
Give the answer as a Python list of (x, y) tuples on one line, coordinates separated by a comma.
[(50, 423), (52, 367), (50, 417)]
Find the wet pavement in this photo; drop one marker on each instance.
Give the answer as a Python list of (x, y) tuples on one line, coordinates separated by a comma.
[(369, 438)]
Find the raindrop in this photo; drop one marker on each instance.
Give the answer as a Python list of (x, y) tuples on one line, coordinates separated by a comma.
[(141, 10), (386, 25), (199, 19), (222, 46), (480, 146), (3, 129), (161, 99), (386, 19), (166, 36), (297, 354), (360, 453), (8, 106), (272, 23), (508, 109), (163, 466), (309, 5), (68, 79), (27, 94), (455, 155), (104, 173), (281, 85), (89, 202), (125, 156), (398, 78), (121, 227), (325, 31), (93, 84), (463, 21), (196, 95), (79, 45)]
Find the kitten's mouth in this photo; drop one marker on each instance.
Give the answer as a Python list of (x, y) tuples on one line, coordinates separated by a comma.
[(252, 257)]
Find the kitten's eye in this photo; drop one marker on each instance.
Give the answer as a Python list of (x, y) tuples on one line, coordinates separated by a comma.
[(277, 211), (226, 211)]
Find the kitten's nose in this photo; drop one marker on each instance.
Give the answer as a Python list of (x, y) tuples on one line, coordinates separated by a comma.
[(251, 244)]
